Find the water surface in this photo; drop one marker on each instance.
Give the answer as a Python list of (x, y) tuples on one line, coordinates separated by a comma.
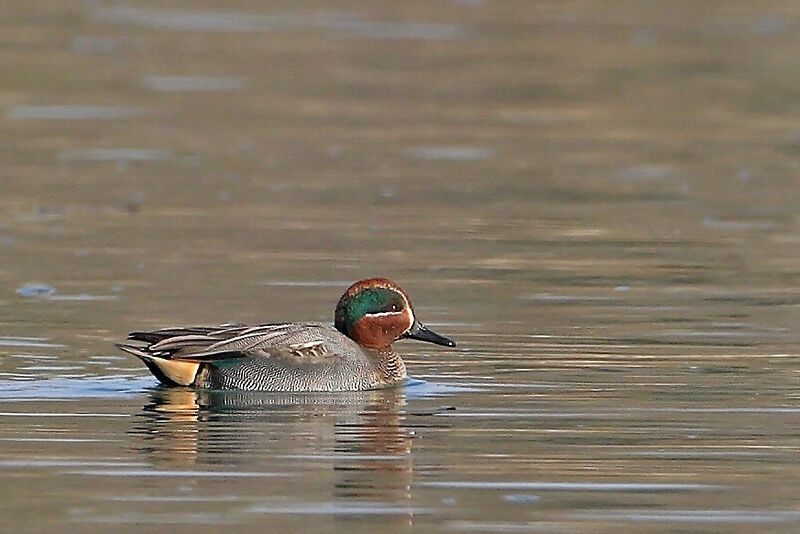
[(598, 202)]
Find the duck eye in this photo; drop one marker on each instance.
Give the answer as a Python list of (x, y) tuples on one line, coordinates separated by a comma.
[(394, 308)]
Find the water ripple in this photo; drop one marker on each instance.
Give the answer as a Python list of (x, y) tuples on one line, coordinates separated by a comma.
[(627, 487), (348, 24), (72, 112), (695, 516)]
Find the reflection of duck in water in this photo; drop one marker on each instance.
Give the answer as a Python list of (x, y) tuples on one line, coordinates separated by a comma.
[(360, 421), (359, 431), (349, 452), (355, 354), (172, 425)]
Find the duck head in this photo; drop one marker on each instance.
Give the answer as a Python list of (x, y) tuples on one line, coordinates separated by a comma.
[(376, 312)]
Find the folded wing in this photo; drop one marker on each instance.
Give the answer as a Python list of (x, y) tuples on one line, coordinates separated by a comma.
[(174, 355)]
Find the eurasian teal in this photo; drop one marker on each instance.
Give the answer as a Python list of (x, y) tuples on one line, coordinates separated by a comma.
[(354, 354)]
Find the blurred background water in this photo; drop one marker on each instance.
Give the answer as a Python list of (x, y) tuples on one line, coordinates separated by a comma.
[(597, 200)]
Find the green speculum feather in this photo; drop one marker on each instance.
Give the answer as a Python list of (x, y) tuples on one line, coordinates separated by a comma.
[(372, 300)]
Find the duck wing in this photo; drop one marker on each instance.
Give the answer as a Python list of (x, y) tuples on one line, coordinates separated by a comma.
[(215, 332), (296, 343)]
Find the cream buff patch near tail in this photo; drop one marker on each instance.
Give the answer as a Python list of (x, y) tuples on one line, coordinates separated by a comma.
[(179, 372)]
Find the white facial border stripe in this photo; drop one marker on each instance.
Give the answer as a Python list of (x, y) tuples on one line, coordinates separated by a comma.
[(408, 308), (384, 314)]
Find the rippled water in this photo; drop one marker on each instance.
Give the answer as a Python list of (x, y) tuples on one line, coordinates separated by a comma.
[(597, 201)]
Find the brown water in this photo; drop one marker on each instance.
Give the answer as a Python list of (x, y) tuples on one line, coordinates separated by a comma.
[(597, 200)]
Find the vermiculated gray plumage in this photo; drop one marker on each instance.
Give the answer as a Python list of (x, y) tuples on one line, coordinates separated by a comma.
[(270, 357)]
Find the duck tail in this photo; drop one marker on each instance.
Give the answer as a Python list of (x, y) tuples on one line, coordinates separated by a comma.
[(169, 372)]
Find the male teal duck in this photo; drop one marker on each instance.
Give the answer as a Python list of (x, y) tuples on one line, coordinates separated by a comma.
[(352, 355)]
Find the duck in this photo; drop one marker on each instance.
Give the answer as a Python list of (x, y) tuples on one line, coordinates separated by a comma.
[(353, 354)]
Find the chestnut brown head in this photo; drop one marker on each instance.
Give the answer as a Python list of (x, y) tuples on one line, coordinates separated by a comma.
[(376, 312)]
